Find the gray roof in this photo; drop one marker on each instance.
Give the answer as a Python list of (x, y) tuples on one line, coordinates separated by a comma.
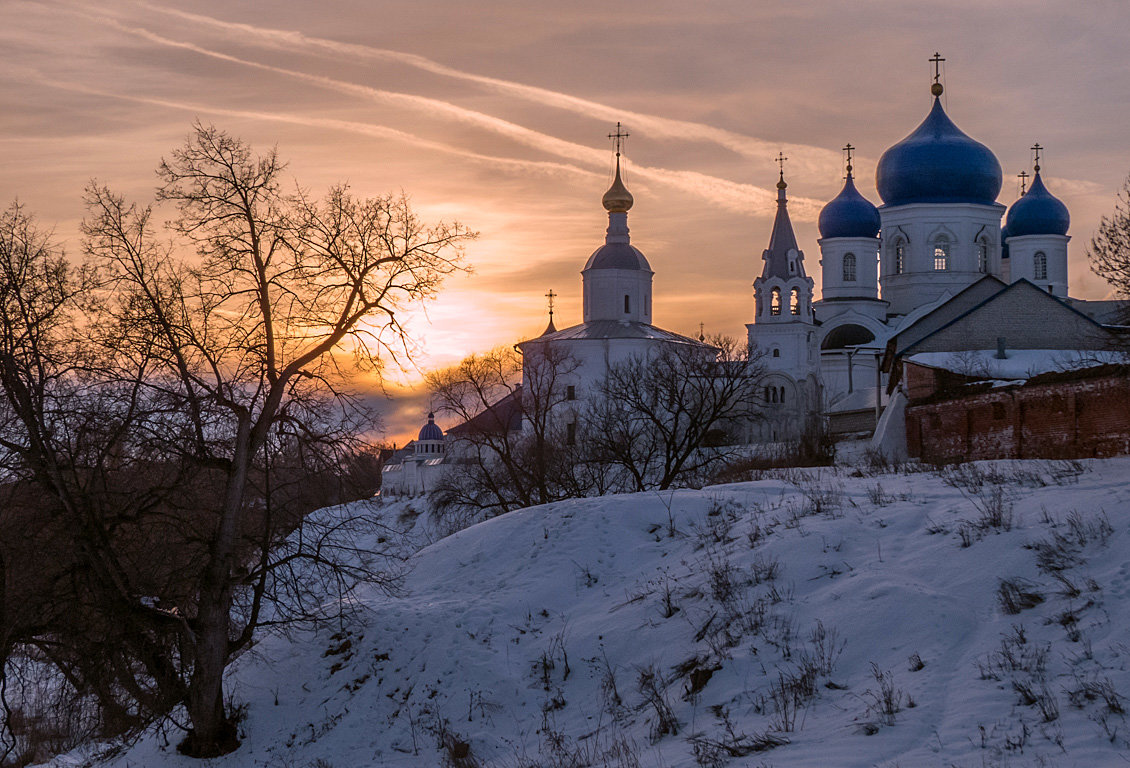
[(781, 242), (618, 256), (616, 329)]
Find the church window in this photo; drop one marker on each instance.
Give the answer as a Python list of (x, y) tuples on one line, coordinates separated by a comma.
[(941, 254), (1041, 265), (773, 394), (571, 434), (775, 302), (776, 352), (767, 394), (983, 256), (782, 394), (900, 257), (571, 392), (794, 301), (627, 303), (849, 267), (792, 267)]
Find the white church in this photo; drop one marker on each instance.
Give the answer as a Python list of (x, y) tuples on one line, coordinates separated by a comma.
[(937, 235)]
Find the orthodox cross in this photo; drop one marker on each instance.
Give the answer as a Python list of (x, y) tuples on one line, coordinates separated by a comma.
[(937, 66), (1036, 148), (1023, 176), (551, 296), (848, 150), (618, 137), (781, 162)]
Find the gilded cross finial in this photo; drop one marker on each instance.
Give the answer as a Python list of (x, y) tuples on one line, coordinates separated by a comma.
[(618, 137), (936, 87), (847, 151), (1023, 176), (781, 182), (1036, 148), (551, 296), (702, 332)]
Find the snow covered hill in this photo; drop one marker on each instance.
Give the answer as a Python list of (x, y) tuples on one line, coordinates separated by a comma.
[(977, 616)]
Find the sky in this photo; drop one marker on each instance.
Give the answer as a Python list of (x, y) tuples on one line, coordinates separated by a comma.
[(496, 114)]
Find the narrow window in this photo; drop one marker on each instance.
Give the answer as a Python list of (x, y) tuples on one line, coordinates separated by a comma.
[(570, 434), (941, 254), (849, 267), (1041, 265), (792, 267), (782, 394), (627, 304), (775, 302), (900, 257), (776, 353), (774, 391), (983, 257), (570, 392), (767, 394), (794, 301)]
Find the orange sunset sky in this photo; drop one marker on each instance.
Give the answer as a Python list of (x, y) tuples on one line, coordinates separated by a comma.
[(496, 114)]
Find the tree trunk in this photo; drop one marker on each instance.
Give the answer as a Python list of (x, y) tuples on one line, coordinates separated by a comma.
[(213, 731)]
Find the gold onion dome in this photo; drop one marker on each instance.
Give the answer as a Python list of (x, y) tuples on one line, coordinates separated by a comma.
[(618, 199)]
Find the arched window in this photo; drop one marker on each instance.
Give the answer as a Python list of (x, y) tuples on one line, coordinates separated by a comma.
[(900, 256), (773, 393), (941, 254), (627, 304), (767, 394), (983, 256), (849, 267), (1041, 265), (794, 301), (776, 352), (775, 302), (782, 394)]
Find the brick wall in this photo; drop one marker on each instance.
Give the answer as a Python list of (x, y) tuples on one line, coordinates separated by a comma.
[(1088, 417)]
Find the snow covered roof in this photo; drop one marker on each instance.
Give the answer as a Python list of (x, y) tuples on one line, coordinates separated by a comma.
[(1018, 365)]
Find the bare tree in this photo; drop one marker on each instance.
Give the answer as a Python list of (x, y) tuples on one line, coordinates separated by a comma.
[(514, 446), (213, 386), (1109, 249), (663, 418)]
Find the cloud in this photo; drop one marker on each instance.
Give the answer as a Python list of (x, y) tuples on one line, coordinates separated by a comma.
[(735, 196)]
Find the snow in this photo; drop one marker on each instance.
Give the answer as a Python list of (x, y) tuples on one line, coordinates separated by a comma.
[(477, 646), (1019, 364)]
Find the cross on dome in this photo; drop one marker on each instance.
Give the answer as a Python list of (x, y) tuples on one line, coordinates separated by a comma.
[(1023, 176), (619, 137), (1036, 148), (781, 162), (847, 151), (936, 88)]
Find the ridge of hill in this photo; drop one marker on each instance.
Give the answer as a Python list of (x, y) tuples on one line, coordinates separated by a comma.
[(973, 616)]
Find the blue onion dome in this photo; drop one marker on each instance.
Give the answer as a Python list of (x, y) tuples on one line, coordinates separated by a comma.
[(937, 163), (618, 256), (1038, 212), (849, 214), (431, 430)]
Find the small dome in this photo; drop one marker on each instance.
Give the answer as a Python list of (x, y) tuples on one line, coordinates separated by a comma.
[(431, 430), (618, 199), (849, 214), (937, 163), (1038, 212), (618, 256)]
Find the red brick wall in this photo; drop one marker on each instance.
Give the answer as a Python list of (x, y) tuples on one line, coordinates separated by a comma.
[(1075, 419)]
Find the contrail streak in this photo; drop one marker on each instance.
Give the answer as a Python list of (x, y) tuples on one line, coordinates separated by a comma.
[(815, 160), (742, 198), (378, 131)]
